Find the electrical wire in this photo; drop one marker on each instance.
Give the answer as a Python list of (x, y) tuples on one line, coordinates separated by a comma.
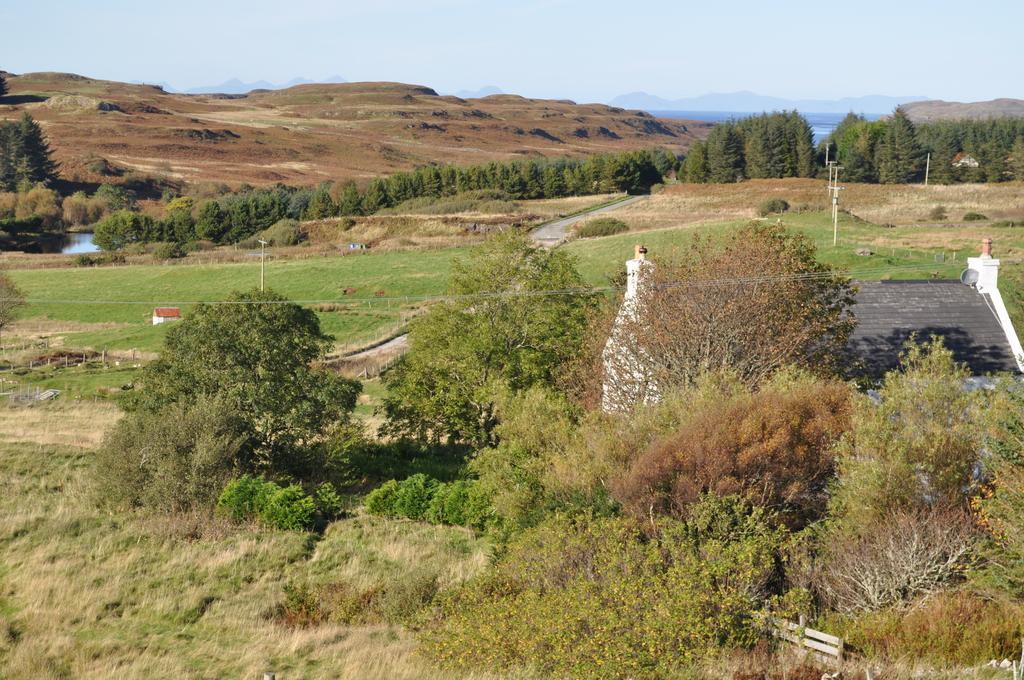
[(362, 302)]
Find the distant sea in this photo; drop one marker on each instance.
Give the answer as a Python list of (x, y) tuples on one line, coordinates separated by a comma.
[(821, 123)]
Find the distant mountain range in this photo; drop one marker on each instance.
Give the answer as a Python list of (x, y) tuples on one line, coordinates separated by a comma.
[(237, 86), (484, 91), (940, 110), (750, 102)]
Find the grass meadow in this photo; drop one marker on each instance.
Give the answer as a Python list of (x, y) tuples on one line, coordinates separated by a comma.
[(86, 593)]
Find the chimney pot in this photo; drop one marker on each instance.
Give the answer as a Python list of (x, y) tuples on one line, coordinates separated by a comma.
[(986, 247)]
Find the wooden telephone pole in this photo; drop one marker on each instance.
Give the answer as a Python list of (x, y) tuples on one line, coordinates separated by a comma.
[(833, 192)]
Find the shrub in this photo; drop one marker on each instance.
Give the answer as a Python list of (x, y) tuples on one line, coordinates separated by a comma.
[(951, 628), (773, 447), (84, 260), (283, 233), (772, 206), (289, 508), (974, 217), (244, 498), (894, 560), (938, 213), (381, 501), (168, 251), (602, 226), (419, 497), (80, 209), (176, 458), (414, 496), (447, 506), (328, 502), (572, 596), (918, 447), (301, 607)]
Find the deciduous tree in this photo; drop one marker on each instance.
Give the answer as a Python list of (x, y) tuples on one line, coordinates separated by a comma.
[(502, 326), (256, 351)]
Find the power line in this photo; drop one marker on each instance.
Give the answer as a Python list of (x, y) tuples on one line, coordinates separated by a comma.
[(751, 280)]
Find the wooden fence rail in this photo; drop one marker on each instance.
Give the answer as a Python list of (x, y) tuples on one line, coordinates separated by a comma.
[(822, 645)]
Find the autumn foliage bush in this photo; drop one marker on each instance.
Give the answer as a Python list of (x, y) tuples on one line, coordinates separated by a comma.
[(774, 447), (590, 597), (951, 628)]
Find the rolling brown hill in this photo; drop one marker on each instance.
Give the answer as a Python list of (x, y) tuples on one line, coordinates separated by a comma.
[(310, 133), (921, 112)]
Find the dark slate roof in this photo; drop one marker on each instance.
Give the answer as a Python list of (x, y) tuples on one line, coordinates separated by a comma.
[(888, 312)]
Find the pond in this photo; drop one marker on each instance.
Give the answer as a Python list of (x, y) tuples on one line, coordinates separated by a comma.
[(79, 242)]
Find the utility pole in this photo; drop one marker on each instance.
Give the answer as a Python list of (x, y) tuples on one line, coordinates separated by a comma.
[(263, 252), (927, 168), (833, 192)]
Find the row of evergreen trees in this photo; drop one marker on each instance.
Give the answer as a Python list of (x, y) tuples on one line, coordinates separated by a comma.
[(889, 151), (25, 156), (894, 150), (238, 216), (762, 146)]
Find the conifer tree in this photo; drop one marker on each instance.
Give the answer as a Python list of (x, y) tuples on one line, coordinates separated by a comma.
[(900, 156), (725, 154), (1016, 163), (3, 85), (695, 165)]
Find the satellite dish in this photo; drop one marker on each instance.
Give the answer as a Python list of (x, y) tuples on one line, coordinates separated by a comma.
[(969, 277)]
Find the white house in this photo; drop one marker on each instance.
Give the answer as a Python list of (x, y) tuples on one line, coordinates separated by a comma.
[(968, 314), (165, 314), (964, 160)]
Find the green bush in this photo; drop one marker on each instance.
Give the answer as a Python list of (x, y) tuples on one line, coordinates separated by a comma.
[(168, 251), (773, 206), (244, 498), (381, 501), (84, 260), (328, 501), (414, 496), (602, 226), (602, 596), (289, 508), (938, 213), (176, 458), (284, 232), (974, 217), (419, 497)]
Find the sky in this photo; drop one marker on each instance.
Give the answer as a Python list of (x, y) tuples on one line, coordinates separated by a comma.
[(582, 50)]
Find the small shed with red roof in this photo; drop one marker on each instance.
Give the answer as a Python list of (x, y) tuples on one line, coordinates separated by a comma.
[(164, 314)]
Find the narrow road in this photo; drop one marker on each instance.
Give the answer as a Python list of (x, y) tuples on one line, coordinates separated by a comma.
[(550, 234), (398, 344), (553, 233)]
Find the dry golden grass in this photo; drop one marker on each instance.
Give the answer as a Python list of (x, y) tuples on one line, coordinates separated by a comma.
[(85, 593), (694, 204), (76, 424)]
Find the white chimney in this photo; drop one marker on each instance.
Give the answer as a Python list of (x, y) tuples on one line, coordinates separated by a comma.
[(633, 268), (987, 268)]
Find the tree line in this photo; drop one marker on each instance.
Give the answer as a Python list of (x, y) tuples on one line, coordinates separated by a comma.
[(889, 151), (763, 146), (241, 215), (895, 150)]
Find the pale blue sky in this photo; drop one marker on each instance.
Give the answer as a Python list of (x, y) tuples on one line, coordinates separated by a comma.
[(588, 51)]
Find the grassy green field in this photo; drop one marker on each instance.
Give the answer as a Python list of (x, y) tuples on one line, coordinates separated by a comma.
[(110, 307), (126, 295), (897, 252), (85, 593)]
